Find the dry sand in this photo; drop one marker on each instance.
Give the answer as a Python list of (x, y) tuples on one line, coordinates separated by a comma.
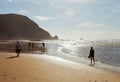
[(43, 68)]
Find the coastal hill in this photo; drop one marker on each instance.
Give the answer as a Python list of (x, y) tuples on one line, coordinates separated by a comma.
[(19, 27)]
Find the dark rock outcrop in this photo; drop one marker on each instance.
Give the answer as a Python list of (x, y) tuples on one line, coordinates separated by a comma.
[(55, 37), (13, 26)]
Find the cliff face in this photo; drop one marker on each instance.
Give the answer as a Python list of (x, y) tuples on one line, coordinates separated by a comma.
[(13, 26)]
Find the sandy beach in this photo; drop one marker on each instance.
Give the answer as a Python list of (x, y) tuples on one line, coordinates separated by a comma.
[(43, 68)]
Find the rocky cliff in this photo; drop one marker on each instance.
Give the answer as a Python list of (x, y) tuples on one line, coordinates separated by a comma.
[(13, 26)]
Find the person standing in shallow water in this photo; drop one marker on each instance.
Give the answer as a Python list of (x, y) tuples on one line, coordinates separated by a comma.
[(91, 55), (18, 48)]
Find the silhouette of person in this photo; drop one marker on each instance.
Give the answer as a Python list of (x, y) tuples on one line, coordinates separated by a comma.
[(29, 46), (91, 55), (33, 46), (43, 47), (18, 48)]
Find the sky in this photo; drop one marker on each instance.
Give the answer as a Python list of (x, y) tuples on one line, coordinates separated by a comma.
[(70, 19)]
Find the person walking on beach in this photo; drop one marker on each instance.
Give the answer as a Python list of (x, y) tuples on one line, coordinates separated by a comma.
[(91, 55), (18, 48), (32, 46), (43, 47), (29, 46)]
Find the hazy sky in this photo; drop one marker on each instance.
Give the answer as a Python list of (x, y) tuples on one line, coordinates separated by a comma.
[(74, 19)]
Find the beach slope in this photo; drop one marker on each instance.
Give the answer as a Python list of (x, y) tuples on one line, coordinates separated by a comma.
[(43, 68)]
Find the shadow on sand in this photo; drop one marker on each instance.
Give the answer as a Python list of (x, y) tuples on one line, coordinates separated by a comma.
[(92, 65), (11, 57)]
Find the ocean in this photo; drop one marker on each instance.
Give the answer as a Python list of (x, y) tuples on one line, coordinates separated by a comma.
[(107, 52)]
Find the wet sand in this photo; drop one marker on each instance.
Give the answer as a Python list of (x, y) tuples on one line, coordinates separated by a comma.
[(42, 68)]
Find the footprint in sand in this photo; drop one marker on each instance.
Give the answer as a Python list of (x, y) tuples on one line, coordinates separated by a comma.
[(5, 75), (14, 78)]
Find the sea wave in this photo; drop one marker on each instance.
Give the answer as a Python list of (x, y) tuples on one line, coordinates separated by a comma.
[(106, 52)]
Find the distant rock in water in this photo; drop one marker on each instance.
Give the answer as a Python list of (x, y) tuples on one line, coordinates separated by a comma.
[(13, 26), (55, 37)]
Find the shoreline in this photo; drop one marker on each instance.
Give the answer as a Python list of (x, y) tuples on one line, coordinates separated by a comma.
[(35, 68), (8, 46), (57, 49)]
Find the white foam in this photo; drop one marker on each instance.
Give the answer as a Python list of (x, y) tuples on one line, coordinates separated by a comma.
[(71, 55)]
